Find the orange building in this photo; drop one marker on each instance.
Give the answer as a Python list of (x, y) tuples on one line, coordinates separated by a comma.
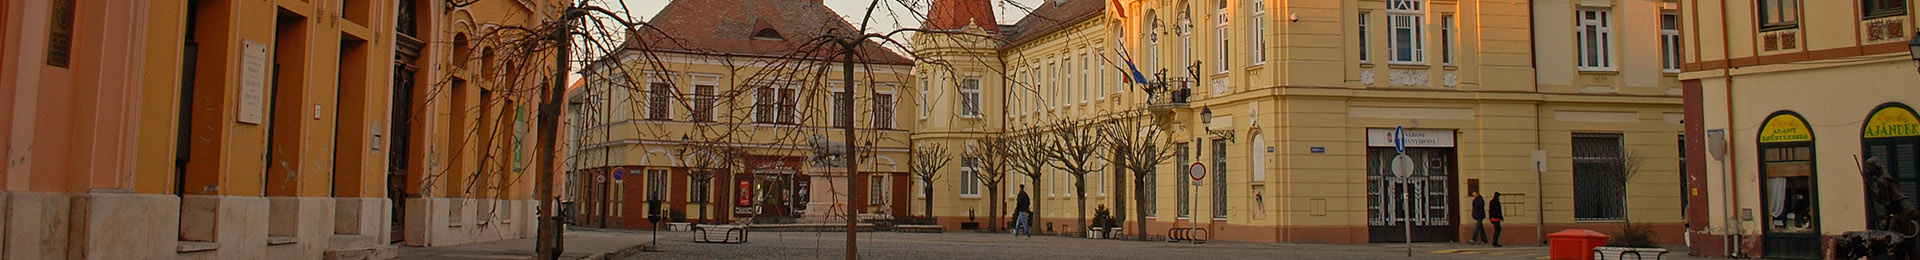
[(233, 129)]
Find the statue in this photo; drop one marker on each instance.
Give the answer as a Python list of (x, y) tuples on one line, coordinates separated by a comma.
[(827, 153), (1893, 233)]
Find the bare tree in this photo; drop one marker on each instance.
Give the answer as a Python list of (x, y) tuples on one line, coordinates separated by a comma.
[(927, 161), (992, 157), (1025, 157), (1139, 146), (1075, 146)]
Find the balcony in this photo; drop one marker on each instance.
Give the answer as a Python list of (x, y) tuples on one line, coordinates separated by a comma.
[(1169, 93)]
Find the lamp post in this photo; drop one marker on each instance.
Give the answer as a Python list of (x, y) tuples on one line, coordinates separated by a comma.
[(1913, 49)]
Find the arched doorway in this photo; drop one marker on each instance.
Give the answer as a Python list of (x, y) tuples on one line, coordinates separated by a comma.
[(1788, 188), (1892, 134)]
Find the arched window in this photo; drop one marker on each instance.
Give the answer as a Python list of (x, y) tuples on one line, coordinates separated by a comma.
[(1892, 134), (767, 34)]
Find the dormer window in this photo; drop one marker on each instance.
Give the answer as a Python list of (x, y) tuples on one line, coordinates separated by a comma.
[(767, 34)]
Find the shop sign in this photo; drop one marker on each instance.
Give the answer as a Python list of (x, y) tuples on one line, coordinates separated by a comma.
[(1785, 128), (1892, 121), (1384, 137)]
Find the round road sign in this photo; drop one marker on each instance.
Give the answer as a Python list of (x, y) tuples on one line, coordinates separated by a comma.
[(1402, 166), (1197, 171)]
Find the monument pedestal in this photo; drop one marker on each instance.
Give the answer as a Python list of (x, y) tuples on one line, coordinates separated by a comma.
[(826, 195)]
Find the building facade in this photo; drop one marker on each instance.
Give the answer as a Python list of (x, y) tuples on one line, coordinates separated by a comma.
[(1292, 108), (1784, 101), (722, 112), (256, 129)]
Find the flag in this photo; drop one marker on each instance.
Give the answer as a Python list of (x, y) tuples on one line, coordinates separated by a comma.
[(1122, 50), (1122, 9)]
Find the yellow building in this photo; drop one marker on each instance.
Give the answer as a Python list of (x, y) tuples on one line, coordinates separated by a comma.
[(228, 129), (717, 111), (1784, 100), (1304, 98)]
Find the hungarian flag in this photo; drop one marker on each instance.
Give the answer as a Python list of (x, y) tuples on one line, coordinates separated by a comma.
[(1122, 50), (1121, 9)]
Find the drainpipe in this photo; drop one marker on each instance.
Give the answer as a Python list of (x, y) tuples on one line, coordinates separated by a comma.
[(1539, 176), (1727, 166)]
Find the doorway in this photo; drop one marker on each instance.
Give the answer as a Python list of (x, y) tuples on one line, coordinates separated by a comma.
[(1428, 206)]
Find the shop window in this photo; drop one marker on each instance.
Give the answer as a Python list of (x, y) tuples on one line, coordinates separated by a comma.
[(1892, 135), (1599, 167)]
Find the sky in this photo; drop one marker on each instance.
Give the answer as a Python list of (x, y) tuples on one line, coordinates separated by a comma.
[(892, 15)]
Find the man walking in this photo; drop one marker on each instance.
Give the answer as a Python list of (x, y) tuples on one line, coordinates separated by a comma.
[(1494, 214), (1479, 217), (1020, 213)]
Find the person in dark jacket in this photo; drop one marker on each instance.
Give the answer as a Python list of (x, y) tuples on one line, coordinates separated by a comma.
[(1021, 213), (1494, 215), (1479, 218)]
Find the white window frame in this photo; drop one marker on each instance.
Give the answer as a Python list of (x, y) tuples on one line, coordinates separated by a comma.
[(1408, 16), (708, 100), (877, 194), (1670, 43), (926, 104), (653, 98), (1085, 90), (1366, 40), (1220, 35), (1186, 43), (1153, 46), (970, 97), (833, 106), (969, 183), (1598, 23), (1257, 46), (1448, 42)]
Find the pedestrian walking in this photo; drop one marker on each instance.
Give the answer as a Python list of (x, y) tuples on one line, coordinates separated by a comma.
[(1021, 224), (1494, 215), (1479, 218)]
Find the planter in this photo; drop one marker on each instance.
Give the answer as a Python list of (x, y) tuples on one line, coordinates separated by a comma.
[(679, 226), (1607, 252), (1096, 232)]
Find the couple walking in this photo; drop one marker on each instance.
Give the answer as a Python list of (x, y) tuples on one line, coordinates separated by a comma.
[(1485, 210)]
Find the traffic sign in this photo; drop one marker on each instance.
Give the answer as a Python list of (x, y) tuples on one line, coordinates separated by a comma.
[(1402, 166), (599, 179), (1399, 140), (1197, 171), (620, 174)]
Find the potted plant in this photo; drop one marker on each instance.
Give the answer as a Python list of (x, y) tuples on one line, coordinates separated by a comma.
[(1635, 240), (1102, 219)]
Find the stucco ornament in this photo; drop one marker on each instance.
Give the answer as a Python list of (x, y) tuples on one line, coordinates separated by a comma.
[(1366, 77), (1451, 79), (1407, 77)]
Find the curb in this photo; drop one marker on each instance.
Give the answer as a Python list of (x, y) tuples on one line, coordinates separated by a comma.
[(623, 253)]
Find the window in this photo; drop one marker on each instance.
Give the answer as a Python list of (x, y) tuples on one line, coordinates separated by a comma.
[(1788, 189), (1220, 35), (1181, 183), (1085, 90), (619, 202), (926, 101), (1066, 83), (519, 138), (1149, 189), (789, 103), (969, 178), (1684, 180), (1883, 8), (764, 104), (1670, 43), (704, 102), (1404, 18), (1446, 39), (1219, 178), (1779, 14), (1595, 40), (1599, 166), (1153, 45), (1186, 41), (1364, 40), (701, 181), (656, 185), (883, 111), (1257, 46), (1053, 85), (877, 191), (659, 100), (841, 116), (970, 97), (1101, 74)]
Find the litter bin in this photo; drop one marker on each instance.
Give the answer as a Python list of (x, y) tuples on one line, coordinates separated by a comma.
[(1575, 244)]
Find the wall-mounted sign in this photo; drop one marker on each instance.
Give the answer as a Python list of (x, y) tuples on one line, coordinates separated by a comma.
[(1784, 128), (746, 193), (1383, 137), (1891, 121), (1317, 150), (253, 80)]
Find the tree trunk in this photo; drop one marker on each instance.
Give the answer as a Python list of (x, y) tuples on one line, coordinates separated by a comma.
[(993, 209), (926, 192), (1139, 187), (1119, 196), (1080, 192), (1034, 208)]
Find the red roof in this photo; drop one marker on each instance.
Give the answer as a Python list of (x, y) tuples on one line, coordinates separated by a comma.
[(1053, 15), (743, 27), (954, 14)]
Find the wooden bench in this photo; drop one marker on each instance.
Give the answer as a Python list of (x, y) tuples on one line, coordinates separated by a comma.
[(731, 234)]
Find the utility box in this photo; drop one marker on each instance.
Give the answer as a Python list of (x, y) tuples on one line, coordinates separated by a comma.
[(1575, 244)]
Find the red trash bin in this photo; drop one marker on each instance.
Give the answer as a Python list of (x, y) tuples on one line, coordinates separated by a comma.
[(1575, 244)]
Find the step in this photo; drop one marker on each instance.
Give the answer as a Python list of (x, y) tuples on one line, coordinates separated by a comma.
[(378, 252)]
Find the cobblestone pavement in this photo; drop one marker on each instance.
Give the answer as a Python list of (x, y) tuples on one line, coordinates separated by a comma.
[(967, 245)]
